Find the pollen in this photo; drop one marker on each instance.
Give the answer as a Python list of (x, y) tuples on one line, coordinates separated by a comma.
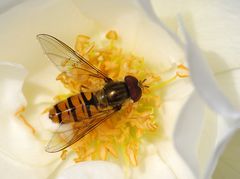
[(64, 155), (112, 35), (19, 115), (119, 138)]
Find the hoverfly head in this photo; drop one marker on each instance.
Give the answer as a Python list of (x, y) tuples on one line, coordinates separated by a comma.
[(134, 87)]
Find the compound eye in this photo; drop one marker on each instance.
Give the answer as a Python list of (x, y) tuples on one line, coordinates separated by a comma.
[(134, 90)]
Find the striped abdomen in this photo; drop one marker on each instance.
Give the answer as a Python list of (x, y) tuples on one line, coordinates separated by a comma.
[(74, 108)]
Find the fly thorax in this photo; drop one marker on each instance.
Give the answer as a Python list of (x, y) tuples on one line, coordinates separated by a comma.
[(116, 93), (101, 99)]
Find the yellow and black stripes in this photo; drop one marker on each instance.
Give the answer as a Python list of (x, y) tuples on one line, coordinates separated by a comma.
[(88, 102), (74, 108)]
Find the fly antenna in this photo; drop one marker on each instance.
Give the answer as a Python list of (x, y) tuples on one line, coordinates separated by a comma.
[(141, 84)]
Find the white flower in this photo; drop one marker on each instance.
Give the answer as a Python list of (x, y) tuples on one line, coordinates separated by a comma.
[(192, 135)]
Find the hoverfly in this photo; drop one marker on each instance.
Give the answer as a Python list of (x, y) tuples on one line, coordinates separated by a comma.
[(86, 110)]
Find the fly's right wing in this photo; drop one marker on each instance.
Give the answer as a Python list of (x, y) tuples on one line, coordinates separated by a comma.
[(67, 60)]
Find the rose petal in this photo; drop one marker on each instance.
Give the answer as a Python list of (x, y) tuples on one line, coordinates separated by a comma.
[(93, 170), (6, 5), (153, 167), (188, 130), (220, 48), (16, 141), (201, 76), (11, 81), (205, 83), (138, 35), (208, 89), (200, 73), (228, 164), (147, 7), (169, 155)]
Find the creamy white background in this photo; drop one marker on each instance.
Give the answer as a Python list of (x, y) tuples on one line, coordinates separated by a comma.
[(18, 29)]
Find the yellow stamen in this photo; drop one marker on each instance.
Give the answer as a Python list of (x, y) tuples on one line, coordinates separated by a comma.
[(23, 119), (181, 66), (64, 155), (20, 110), (120, 136)]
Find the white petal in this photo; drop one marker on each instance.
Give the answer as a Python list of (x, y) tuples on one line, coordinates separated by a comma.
[(218, 34), (205, 83), (169, 155), (147, 7), (153, 167), (7, 4), (18, 43), (93, 170), (228, 164), (209, 91), (188, 130), (137, 34), (229, 83), (11, 81), (200, 73), (202, 77), (16, 142)]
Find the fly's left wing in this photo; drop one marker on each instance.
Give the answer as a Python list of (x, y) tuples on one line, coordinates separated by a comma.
[(68, 134), (67, 60)]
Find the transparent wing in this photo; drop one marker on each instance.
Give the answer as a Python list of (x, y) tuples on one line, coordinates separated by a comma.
[(66, 59), (68, 134)]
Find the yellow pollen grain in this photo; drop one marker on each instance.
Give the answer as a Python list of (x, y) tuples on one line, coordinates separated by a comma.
[(112, 35)]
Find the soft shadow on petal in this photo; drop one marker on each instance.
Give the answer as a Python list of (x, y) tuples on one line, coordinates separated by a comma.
[(6, 5), (228, 164), (188, 130), (217, 35), (229, 83), (205, 83), (147, 6), (208, 89), (93, 170)]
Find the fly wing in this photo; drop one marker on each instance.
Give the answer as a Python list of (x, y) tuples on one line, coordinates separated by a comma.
[(68, 134), (66, 59)]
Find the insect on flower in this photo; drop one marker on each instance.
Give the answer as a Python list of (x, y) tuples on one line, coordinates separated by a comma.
[(80, 114)]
